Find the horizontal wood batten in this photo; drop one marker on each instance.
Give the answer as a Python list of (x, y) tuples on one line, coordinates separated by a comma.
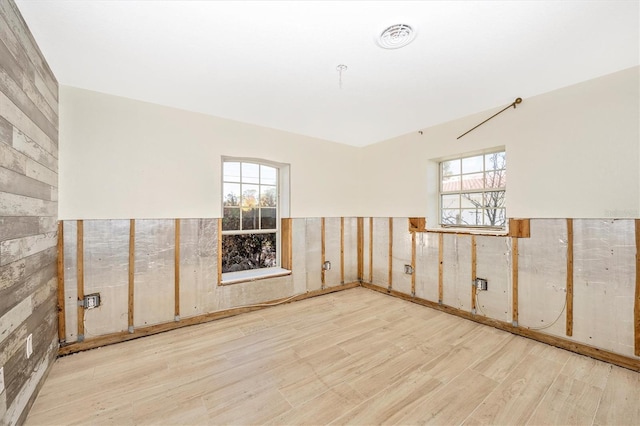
[(579, 348), (123, 336)]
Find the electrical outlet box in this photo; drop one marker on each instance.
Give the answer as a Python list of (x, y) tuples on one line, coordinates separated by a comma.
[(1, 379), (29, 345), (91, 301), (481, 284), (408, 269)]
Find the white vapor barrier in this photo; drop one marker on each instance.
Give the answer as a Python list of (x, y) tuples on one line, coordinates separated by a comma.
[(154, 272), (457, 271), (198, 266), (299, 241), (332, 277), (70, 241), (427, 266), (493, 263), (366, 245), (542, 276), (106, 271), (604, 283), (350, 249), (401, 255), (381, 251), (314, 254)]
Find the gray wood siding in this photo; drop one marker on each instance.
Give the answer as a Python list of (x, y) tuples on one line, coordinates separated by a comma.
[(28, 214)]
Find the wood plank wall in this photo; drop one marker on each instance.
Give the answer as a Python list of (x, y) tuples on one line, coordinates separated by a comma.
[(28, 214)]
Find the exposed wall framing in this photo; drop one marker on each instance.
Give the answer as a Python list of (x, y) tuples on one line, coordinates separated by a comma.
[(532, 287), (162, 274), (569, 320)]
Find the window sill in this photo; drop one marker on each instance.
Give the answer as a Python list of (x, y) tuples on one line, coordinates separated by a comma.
[(471, 231), (253, 275)]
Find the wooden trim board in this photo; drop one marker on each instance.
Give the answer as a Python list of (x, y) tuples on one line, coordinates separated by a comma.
[(560, 342), (110, 339)]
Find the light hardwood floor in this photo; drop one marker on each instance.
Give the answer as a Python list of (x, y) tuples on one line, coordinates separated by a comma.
[(353, 357)]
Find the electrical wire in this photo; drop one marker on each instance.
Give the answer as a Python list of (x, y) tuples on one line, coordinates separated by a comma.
[(259, 305), (479, 306), (554, 321)]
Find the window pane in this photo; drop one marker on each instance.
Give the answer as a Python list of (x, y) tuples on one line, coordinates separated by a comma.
[(494, 199), (250, 218), (231, 219), (450, 168), (496, 161), (471, 216), (473, 200), (231, 193), (451, 184), (250, 173), (472, 164), (496, 179), (268, 218), (494, 217), (231, 171), (268, 196), (268, 175), (250, 196), (450, 201), (474, 181), (450, 217), (250, 251)]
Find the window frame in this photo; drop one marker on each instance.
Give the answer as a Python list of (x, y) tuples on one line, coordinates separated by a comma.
[(282, 210), (461, 191)]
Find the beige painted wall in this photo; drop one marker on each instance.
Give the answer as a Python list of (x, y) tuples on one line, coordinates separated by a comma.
[(572, 152), (121, 158)]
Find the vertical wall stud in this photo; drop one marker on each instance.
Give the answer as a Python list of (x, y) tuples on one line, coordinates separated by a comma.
[(322, 250), (636, 308), (514, 279), (132, 268), (177, 272), (61, 308), (440, 268), (569, 295), (360, 225), (474, 275), (220, 251), (342, 250), (80, 280), (370, 249), (390, 279), (413, 263)]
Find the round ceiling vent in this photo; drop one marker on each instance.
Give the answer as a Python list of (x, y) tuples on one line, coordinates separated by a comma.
[(396, 36)]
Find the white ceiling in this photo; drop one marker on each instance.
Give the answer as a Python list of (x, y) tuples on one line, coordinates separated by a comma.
[(274, 63)]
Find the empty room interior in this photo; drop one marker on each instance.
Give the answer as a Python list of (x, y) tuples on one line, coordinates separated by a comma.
[(273, 212)]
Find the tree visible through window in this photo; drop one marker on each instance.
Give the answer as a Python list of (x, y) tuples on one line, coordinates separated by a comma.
[(473, 189), (250, 216)]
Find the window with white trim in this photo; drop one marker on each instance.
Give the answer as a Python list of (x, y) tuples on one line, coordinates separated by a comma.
[(251, 216), (473, 191)]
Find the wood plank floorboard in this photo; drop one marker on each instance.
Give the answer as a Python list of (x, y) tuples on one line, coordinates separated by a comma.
[(352, 357)]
